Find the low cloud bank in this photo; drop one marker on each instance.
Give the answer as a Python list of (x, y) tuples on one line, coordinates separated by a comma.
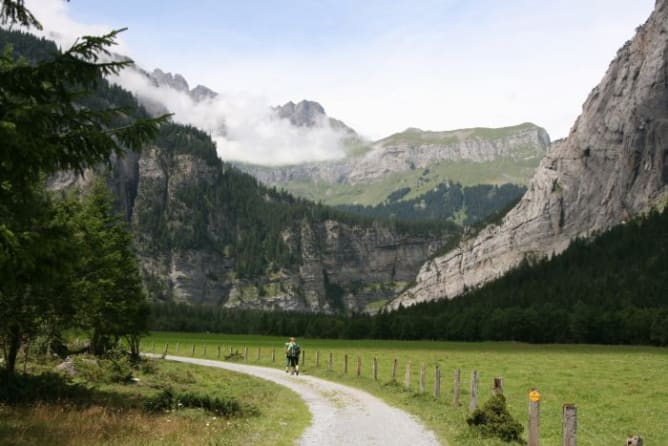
[(245, 128)]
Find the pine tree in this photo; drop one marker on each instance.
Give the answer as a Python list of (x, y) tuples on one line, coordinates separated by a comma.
[(43, 129)]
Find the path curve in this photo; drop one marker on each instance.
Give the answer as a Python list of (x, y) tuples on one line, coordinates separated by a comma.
[(342, 415)]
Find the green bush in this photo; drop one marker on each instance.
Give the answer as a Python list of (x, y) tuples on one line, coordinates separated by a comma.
[(168, 400), (110, 369), (494, 420)]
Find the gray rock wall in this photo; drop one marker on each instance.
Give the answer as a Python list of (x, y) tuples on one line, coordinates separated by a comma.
[(612, 166)]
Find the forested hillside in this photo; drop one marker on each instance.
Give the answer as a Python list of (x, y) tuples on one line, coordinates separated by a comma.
[(205, 232), (208, 233), (610, 290), (465, 205)]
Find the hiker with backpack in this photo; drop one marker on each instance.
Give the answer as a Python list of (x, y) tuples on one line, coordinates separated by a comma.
[(287, 358), (292, 352)]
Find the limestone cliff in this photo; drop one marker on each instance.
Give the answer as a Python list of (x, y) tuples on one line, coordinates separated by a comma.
[(612, 166), (414, 149), (185, 228)]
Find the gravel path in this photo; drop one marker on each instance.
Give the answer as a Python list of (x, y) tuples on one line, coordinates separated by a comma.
[(341, 415)]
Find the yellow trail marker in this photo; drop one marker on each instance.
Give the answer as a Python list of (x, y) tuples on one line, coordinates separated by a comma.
[(534, 396)]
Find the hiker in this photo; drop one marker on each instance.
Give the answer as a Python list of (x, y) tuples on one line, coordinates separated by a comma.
[(292, 352), (287, 358)]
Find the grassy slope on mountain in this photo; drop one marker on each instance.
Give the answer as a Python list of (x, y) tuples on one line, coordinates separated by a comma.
[(467, 173), (420, 137)]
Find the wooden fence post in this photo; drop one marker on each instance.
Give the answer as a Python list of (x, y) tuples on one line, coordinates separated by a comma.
[(437, 382), (473, 404), (193, 351), (273, 354), (219, 352), (359, 366), (330, 365), (246, 354), (422, 378), (394, 369), (407, 378), (497, 387), (345, 364), (303, 361), (231, 351), (317, 358), (375, 369), (456, 387), (258, 354), (204, 350), (164, 354), (569, 425), (534, 418)]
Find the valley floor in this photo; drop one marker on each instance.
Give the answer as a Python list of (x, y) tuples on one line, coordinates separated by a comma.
[(341, 414)]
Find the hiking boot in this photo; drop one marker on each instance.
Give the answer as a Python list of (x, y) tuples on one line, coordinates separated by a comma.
[(297, 372)]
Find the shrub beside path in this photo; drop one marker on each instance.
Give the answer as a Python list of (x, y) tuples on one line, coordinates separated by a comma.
[(341, 414)]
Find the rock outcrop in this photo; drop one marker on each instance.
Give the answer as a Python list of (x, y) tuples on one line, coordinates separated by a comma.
[(612, 166), (341, 266), (414, 149)]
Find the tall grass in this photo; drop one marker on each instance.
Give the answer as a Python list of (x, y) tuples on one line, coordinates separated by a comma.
[(618, 390), (115, 414)]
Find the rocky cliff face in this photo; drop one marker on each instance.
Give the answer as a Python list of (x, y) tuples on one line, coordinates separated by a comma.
[(612, 166), (342, 267), (414, 149)]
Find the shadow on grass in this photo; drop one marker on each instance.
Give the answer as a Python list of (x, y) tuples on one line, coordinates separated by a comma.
[(57, 388)]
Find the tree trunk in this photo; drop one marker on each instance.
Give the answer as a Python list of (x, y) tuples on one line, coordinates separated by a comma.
[(12, 347)]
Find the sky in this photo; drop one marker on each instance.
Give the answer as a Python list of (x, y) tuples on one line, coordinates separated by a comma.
[(379, 66)]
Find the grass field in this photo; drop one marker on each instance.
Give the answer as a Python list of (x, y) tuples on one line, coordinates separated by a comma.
[(618, 390), (114, 414)]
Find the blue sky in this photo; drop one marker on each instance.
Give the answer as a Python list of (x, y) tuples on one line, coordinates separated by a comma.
[(380, 66)]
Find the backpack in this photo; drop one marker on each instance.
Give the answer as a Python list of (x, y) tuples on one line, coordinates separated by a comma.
[(294, 350)]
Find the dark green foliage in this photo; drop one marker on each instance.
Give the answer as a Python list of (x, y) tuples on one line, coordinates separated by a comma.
[(444, 202), (494, 420), (15, 12), (112, 368), (28, 46), (611, 290), (169, 400), (112, 299), (232, 213), (47, 387), (46, 126)]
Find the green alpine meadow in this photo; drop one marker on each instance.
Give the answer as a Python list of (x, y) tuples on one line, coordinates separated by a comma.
[(361, 223)]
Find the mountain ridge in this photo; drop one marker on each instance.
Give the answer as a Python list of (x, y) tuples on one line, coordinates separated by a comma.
[(612, 166)]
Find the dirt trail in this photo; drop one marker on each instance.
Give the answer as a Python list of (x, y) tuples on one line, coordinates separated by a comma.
[(342, 415)]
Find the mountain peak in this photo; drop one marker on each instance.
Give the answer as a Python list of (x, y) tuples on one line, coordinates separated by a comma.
[(303, 114)]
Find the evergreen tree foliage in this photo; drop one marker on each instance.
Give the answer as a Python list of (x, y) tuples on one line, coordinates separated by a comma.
[(230, 212), (466, 205), (108, 286), (609, 290), (45, 127)]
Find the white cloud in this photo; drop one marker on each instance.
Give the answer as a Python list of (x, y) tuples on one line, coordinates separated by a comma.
[(58, 26), (243, 126), (500, 63)]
